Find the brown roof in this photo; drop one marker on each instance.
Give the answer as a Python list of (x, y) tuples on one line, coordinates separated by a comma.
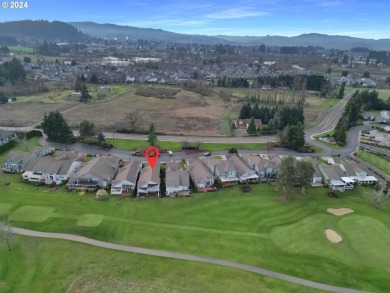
[(149, 175)]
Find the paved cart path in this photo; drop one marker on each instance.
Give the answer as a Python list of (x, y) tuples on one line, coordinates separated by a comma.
[(182, 256)]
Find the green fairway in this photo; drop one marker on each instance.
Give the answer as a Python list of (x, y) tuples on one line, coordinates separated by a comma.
[(32, 214), (90, 220), (369, 238), (48, 265), (4, 207), (256, 228)]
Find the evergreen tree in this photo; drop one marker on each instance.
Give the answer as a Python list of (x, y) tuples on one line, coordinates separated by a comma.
[(101, 138), (341, 91), (255, 112), (252, 127), (86, 129), (245, 111), (94, 78), (152, 137), (56, 128), (85, 96)]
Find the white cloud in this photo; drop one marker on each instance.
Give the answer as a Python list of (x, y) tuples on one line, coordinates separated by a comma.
[(235, 13)]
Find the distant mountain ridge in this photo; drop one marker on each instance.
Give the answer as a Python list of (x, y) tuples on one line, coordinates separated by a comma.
[(110, 31), (79, 31), (313, 39), (41, 30)]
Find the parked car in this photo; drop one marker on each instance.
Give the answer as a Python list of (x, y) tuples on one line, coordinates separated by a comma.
[(206, 154), (170, 153)]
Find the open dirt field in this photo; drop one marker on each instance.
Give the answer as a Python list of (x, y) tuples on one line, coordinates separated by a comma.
[(171, 109), (30, 112), (340, 211), (333, 236), (185, 113)]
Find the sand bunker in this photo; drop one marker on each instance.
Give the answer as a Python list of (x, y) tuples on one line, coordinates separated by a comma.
[(333, 236), (340, 212)]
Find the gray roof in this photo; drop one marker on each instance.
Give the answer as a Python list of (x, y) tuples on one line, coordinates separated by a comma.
[(129, 172), (225, 166), (101, 167), (199, 171), (173, 166), (5, 133), (45, 165), (177, 178), (331, 172), (240, 166), (18, 156), (66, 155)]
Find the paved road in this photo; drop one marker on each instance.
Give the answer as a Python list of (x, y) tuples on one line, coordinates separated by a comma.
[(182, 256)]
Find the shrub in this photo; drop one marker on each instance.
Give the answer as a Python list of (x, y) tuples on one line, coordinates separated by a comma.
[(232, 151), (101, 194)]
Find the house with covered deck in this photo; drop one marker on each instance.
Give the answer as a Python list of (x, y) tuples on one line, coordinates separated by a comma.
[(126, 179), (97, 173)]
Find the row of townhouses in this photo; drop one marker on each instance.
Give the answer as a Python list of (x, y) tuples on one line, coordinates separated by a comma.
[(204, 173)]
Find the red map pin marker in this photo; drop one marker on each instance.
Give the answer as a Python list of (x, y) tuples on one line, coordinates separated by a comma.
[(152, 153)]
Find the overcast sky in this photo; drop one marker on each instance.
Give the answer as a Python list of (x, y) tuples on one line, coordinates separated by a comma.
[(366, 19)]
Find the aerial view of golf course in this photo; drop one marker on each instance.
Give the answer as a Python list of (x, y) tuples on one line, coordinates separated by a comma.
[(341, 242)]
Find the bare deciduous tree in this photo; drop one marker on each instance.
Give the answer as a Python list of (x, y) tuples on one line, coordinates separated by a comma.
[(6, 233), (133, 119)]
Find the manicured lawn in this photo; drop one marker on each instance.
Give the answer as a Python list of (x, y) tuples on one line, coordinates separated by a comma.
[(48, 265), (382, 163), (258, 228), (129, 144), (35, 214), (330, 132)]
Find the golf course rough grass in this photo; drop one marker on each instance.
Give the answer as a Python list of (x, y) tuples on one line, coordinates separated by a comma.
[(258, 228), (52, 265), (90, 220), (36, 214), (4, 208)]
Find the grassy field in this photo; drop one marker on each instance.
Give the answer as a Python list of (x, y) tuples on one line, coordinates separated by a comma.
[(380, 162), (258, 228), (129, 144), (21, 49), (62, 266), (384, 94), (330, 132)]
